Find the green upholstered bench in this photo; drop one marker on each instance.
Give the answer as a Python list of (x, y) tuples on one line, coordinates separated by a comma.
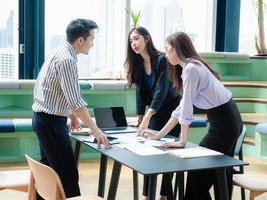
[(15, 125), (17, 138), (29, 84)]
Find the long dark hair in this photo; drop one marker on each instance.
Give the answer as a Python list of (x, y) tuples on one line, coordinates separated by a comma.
[(134, 63), (184, 48)]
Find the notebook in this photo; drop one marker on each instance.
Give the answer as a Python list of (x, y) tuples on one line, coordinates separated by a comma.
[(112, 120)]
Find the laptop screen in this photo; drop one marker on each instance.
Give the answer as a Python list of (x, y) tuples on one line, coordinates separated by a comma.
[(110, 117)]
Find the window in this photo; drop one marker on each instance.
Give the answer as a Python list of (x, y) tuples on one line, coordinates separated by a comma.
[(8, 39), (162, 18), (248, 27), (105, 59)]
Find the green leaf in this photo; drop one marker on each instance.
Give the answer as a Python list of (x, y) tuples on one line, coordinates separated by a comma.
[(134, 16)]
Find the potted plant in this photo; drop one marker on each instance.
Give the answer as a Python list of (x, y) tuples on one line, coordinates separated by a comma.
[(135, 16), (260, 38)]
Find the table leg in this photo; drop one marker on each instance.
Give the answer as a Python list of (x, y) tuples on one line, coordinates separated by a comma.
[(152, 187), (222, 184), (181, 185), (77, 151), (114, 180), (135, 185), (102, 175)]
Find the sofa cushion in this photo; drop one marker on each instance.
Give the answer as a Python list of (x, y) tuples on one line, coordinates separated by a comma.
[(261, 128), (84, 85), (108, 84), (212, 54), (235, 55), (26, 84), (224, 55), (9, 84), (7, 125), (197, 122), (22, 125)]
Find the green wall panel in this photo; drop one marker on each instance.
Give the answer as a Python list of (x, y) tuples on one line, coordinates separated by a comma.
[(6, 101), (239, 69), (248, 92), (107, 98), (252, 107), (259, 70)]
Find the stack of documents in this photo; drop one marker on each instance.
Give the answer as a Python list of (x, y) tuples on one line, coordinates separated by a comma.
[(194, 152)]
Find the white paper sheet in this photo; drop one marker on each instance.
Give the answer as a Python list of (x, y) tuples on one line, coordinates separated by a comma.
[(128, 137), (154, 143), (193, 152), (90, 138), (141, 149), (157, 143)]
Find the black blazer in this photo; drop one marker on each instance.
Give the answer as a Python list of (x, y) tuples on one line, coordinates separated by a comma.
[(162, 95)]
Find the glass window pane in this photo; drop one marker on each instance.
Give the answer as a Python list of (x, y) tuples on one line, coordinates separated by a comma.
[(248, 27), (162, 18), (8, 39), (105, 58)]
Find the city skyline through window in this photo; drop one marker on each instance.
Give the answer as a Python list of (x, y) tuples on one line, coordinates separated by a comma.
[(163, 18), (8, 39)]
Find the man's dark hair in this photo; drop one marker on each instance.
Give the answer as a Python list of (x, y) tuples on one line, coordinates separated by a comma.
[(79, 28)]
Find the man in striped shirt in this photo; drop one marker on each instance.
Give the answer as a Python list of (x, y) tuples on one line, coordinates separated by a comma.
[(57, 96)]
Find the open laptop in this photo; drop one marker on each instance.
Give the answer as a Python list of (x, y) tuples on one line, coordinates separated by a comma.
[(112, 120)]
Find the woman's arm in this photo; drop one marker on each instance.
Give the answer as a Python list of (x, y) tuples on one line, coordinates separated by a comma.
[(182, 140), (164, 131), (145, 121)]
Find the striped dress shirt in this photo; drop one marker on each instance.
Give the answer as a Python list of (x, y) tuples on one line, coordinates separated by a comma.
[(57, 90)]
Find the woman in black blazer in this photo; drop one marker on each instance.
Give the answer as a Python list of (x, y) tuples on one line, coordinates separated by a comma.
[(147, 70)]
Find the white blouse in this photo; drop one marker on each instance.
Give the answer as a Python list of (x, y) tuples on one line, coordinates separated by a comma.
[(201, 89)]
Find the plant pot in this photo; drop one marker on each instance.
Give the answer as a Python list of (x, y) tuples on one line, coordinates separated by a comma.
[(260, 56)]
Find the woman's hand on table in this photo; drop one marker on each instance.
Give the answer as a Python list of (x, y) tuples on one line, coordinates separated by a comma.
[(177, 144), (150, 135)]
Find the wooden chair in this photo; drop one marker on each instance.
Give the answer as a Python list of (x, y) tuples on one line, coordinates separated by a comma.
[(12, 194), (15, 180), (46, 182), (257, 184)]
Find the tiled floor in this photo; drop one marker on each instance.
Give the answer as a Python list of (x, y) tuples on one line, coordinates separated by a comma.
[(89, 178)]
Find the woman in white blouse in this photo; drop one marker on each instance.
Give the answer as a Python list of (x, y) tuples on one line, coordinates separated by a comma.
[(200, 87)]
